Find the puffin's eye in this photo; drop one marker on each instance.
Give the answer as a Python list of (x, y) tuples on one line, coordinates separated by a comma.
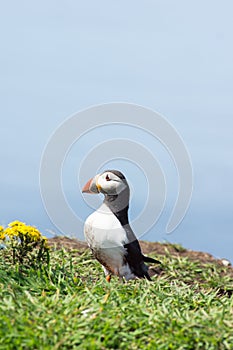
[(107, 178)]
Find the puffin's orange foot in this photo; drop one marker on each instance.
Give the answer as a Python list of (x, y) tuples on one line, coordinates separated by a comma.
[(108, 278)]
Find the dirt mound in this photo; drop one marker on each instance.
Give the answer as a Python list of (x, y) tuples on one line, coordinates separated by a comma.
[(59, 242), (148, 248)]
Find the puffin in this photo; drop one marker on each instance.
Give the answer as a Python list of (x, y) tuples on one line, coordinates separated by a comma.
[(108, 232)]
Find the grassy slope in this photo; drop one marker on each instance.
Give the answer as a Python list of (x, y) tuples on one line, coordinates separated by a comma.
[(71, 306)]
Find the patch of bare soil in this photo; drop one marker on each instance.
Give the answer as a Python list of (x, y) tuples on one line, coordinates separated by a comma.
[(59, 242)]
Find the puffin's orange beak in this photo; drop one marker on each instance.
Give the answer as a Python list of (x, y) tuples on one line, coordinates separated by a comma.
[(91, 186), (86, 188)]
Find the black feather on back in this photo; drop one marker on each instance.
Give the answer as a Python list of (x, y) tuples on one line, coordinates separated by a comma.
[(135, 260)]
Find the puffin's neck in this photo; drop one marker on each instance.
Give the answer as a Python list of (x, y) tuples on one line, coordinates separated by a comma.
[(119, 205)]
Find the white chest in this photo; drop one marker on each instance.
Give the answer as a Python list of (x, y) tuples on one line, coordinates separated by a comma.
[(102, 229)]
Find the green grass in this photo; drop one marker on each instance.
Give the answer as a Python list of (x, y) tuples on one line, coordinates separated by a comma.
[(69, 305)]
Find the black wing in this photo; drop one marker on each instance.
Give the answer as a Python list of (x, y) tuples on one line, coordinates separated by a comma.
[(135, 260), (134, 256)]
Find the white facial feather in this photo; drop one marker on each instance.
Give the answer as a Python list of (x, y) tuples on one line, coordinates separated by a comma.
[(110, 183)]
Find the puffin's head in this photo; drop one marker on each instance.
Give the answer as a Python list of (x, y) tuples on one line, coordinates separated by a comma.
[(110, 182)]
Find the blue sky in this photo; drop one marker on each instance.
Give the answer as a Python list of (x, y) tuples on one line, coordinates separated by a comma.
[(174, 57)]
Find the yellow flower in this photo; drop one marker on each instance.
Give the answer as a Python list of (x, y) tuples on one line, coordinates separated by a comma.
[(10, 232), (2, 235), (26, 242), (16, 223), (20, 229)]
